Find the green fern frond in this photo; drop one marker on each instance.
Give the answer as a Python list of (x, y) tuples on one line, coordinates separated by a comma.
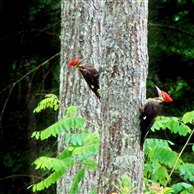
[(47, 163), (75, 139), (93, 148), (50, 101), (183, 188), (80, 147), (174, 124), (160, 175), (62, 125), (92, 138), (153, 143), (71, 111), (53, 178), (160, 157), (188, 117), (187, 170), (90, 164), (159, 150)]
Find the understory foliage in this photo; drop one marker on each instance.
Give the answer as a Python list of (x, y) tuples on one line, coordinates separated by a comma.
[(161, 162), (80, 146), (165, 171)]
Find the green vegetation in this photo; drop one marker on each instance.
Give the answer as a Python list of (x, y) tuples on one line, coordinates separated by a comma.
[(163, 166), (80, 147)]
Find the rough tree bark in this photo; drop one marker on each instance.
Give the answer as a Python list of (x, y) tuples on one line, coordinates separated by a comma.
[(113, 35), (123, 90), (80, 38)]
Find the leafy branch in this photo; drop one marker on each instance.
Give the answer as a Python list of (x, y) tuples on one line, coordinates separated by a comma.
[(80, 146), (160, 158)]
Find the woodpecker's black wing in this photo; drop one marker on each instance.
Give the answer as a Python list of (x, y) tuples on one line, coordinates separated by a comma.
[(147, 119), (91, 75)]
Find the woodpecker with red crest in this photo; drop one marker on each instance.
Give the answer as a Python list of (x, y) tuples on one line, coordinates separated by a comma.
[(149, 113), (89, 73)]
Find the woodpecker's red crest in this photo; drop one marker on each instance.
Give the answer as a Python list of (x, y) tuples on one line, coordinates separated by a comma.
[(163, 95), (166, 97), (75, 62)]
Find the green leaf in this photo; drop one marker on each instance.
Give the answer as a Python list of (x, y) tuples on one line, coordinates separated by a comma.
[(187, 170), (93, 148), (184, 130), (50, 100), (74, 140), (160, 175), (71, 111), (125, 181), (188, 117), (168, 190), (67, 138), (184, 187), (53, 178), (90, 164), (174, 125), (62, 125)]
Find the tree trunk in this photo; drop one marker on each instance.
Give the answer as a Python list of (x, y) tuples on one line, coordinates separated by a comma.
[(113, 36), (123, 89), (80, 38)]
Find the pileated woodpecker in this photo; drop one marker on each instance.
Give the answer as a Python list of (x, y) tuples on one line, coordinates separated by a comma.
[(149, 113), (89, 73)]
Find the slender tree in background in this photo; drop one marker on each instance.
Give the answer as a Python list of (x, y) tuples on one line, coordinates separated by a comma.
[(113, 36)]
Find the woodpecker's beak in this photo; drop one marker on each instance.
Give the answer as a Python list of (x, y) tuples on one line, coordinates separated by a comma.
[(161, 98), (83, 60), (79, 63), (158, 90)]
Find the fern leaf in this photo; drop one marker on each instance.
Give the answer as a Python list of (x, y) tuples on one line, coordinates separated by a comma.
[(85, 149), (76, 139), (50, 100), (153, 143), (187, 170), (48, 163), (160, 175), (62, 125), (182, 187), (174, 124), (71, 111), (184, 130), (188, 117), (53, 178), (90, 164)]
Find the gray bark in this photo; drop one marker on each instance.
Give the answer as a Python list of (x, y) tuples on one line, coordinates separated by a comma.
[(123, 89), (80, 38), (113, 36)]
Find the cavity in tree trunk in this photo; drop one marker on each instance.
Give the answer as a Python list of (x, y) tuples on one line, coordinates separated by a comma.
[(113, 36)]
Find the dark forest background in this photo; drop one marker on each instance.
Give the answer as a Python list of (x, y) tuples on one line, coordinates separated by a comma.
[(29, 69)]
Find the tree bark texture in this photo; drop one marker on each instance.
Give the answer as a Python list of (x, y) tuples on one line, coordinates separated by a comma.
[(112, 35), (123, 90), (80, 38)]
